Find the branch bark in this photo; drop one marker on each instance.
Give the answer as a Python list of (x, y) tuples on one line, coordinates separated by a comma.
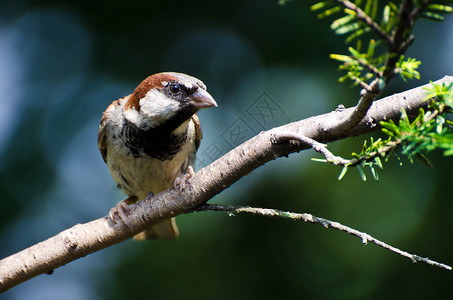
[(83, 239)]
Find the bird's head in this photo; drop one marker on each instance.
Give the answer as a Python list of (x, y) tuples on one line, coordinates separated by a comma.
[(166, 98)]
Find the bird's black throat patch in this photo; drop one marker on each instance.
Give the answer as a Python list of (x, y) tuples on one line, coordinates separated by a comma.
[(159, 142)]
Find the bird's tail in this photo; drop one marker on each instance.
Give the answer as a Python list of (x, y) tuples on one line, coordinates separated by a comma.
[(165, 230)]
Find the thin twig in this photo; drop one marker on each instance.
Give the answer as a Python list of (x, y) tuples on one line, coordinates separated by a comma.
[(362, 83), (361, 15), (281, 137), (380, 152), (401, 39), (405, 24), (275, 213), (420, 9), (370, 67)]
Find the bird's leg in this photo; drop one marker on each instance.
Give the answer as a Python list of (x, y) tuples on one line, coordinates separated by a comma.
[(120, 210), (181, 180)]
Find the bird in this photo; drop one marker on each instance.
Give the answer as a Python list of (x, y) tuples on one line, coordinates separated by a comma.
[(149, 141)]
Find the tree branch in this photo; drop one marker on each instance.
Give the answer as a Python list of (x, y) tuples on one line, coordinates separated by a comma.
[(83, 239), (276, 213)]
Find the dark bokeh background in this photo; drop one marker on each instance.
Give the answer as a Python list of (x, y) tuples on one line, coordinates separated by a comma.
[(61, 64)]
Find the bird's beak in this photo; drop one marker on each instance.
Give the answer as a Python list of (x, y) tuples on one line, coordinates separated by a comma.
[(202, 99)]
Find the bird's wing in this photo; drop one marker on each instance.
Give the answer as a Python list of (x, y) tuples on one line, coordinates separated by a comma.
[(102, 135), (198, 134)]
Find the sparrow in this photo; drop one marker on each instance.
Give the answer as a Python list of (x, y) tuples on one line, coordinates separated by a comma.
[(149, 141)]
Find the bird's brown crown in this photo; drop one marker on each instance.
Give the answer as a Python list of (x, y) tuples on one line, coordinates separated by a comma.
[(153, 81)]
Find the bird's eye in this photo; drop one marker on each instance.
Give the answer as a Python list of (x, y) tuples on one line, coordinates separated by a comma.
[(175, 88)]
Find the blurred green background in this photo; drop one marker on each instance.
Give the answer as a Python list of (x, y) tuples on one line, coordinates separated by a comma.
[(62, 63)]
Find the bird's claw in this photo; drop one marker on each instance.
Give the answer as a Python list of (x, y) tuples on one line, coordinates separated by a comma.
[(120, 211), (181, 181)]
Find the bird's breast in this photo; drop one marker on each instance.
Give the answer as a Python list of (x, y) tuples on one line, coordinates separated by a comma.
[(148, 161)]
